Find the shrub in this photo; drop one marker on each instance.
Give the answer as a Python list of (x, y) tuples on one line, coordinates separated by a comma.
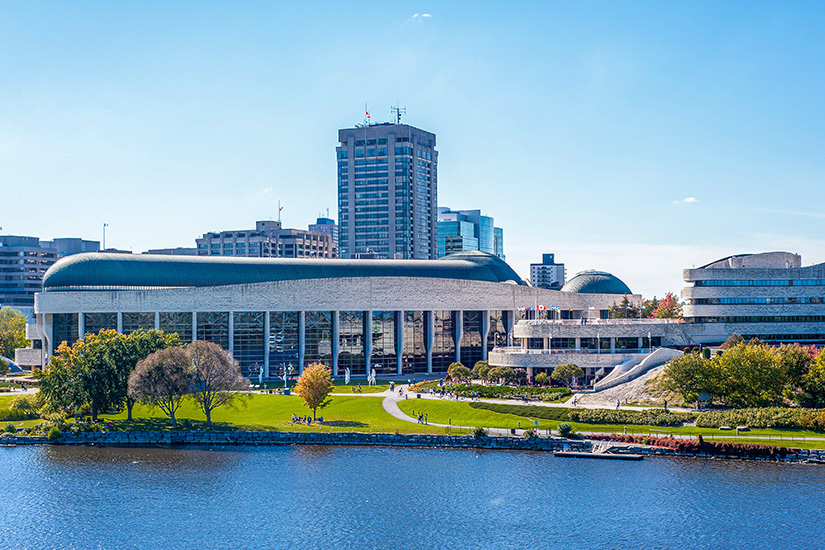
[(501, 392), (650, 417), (10, 428), (566, 430), (527, 411), (480, 369), (17, 415), (25, 403), (479, 432), (530, 434), (55, 433), (699, 446), (542, 379), (767, 417)]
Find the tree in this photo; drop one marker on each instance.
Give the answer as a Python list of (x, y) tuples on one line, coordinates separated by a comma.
[(567, 372), (217, 377), (314, 386), (813, 383), (480, 369), (541, 379), (794, 360), (521, 377), (750, 376), (457, 371), (12, 331), (504, 375), (162, 380), (667, 308), (733, 340), (624, 309), (689, 375)]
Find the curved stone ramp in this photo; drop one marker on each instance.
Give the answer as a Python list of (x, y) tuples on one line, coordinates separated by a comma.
[(622, 368), (655, 359)]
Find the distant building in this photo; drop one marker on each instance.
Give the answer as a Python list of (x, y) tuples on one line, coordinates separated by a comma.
[(325, 225), (268, 240), (24, 260), (462, 230), (179, 251), (547, 274), (387, 191)]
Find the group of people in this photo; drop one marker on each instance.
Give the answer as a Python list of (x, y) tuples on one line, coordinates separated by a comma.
[(305, 419)]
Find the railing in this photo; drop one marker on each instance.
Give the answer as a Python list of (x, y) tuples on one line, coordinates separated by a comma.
[(524, 351), (572, 322)]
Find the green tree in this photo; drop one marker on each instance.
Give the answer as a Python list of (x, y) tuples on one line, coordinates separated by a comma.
[(750, 376), (12, 331), (625, 309), (813, 382), (504, 375), (689, 375), (541, 379), (567, 372), (794, 360), (480, 369), (217, 378), (314, 385), (457, 371), (162, 380), (733, 340)]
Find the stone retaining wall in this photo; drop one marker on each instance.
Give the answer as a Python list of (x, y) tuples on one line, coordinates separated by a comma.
[(310, 438)]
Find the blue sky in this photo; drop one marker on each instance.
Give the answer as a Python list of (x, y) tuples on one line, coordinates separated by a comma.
[(637, 138)]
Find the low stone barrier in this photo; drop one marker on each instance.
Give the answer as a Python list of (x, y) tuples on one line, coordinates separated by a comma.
[(138, 439)]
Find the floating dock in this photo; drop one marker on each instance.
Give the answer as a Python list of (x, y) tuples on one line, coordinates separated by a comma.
[(604, 456)]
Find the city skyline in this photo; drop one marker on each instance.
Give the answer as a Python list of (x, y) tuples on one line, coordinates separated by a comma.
[(637, 139)]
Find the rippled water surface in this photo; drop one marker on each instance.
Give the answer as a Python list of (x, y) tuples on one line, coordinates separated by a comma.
[(347, 497)]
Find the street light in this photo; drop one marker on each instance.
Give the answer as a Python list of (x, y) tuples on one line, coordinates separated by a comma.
[(649, 342)]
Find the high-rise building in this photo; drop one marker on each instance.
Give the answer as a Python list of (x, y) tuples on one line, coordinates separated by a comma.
[(24, 260), (268, 240), (460, 230), (547, 274), (387, 191), (325, 225)]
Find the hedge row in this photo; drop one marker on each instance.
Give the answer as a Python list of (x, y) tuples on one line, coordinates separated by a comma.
[(508, 392), (769, 417), (527, 411), (14, 415), (708, 448), (650, 417)]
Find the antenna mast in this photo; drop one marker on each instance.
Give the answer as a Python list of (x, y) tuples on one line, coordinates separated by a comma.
[(397, 112)]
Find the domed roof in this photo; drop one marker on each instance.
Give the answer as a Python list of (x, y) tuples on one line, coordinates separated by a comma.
[(596, 282)]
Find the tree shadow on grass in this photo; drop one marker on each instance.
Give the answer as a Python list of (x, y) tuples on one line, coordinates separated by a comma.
[(344, 424), (164, 424)]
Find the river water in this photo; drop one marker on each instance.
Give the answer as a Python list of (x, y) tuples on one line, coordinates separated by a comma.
[(309, 497)]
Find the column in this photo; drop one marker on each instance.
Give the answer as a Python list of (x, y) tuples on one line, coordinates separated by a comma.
[(429, 328), (459, 329), (578, 344), (546, 343), (612, 344), (81, 325), (157, 320), (641, 343), (399, 341), (336, 342), (485, 333), (301, 340), (368, 341), (266, 344), (231, 332), (120, 322), (194, 325)]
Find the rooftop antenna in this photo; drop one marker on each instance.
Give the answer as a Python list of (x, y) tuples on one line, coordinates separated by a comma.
[(397, 112), (366, 115), (279, 211)]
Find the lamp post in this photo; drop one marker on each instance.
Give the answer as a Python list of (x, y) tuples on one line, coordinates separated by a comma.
[(649, 342), (598, 343)]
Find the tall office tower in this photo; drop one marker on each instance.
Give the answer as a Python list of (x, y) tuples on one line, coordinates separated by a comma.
[(325, 225), (547, 274), (387, 191), (460, 230)]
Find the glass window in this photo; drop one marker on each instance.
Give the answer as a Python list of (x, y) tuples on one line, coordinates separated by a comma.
[(443, 340), (414, 358), (318, 337), (64, 328), (351, 352), (471, 342), (213, 326), (283, 341), (384, 355), (179, 322), (497, 337), (137, 321), (95, 322), (248, 341)]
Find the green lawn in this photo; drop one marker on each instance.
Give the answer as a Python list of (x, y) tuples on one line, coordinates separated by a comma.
[(274, 412), (340, 387)]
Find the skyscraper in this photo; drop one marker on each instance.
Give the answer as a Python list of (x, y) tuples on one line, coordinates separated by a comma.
[(547, 274), (387, 191), (460, 230)]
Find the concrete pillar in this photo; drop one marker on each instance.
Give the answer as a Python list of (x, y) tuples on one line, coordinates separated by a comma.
[(641, 343), (368, 341), (266, 344), (231, 332), (530, 372), (120, 322), (578, 344), (194, 325), (485, 333), (399, 341), (81, 326), (509, 321), (612, 344), (302, 343), (429, 329), (459, 331), (336, 342), (157, 320), (545, 343)]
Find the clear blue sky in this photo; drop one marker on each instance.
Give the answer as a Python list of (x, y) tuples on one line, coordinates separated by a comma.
[(637, 138)]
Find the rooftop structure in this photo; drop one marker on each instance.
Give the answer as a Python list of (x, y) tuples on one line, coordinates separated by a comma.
[(268, 240), (548, 274), (460, 230), (596, 282)]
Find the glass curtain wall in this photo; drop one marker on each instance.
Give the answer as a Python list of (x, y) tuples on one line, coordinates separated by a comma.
[(283, 342), (248, 341), (471, 342), (497, 337), (213, 326), (64, 329), (384, 355), (351, 348), (179, 322), (414, 358), (443, 340), (95, 322), (138, 321), (318, 338)]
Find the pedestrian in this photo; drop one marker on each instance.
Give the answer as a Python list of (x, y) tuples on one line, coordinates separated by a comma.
[(665, 404), (425, 419), (618, 404)]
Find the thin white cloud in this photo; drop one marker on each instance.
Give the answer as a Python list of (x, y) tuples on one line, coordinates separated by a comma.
[(794, 213), (687, 200), (420, 17)]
